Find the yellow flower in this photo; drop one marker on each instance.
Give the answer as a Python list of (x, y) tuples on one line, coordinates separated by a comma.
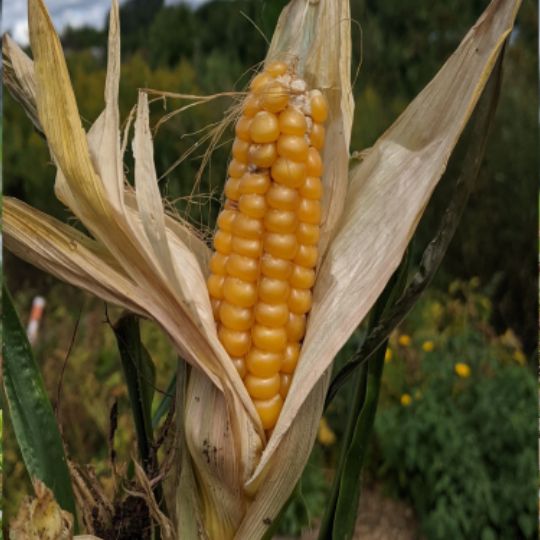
[(437, 310), (519, 357), (388, 355), (428, 346), (406, 400), (404, 340), (462, 370), (326, 436)]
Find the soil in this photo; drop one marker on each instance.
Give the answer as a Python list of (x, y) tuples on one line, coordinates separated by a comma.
[(380, 518)]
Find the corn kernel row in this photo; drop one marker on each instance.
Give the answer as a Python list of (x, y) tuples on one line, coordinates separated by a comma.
[(263, 268)]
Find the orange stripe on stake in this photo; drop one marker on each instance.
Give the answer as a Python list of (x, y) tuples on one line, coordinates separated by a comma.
[(36, 314)]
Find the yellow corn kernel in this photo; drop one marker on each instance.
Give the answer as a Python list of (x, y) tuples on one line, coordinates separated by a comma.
[(249, 247), (268, 338), (294, 147), (254, 183), (262, 388), (302, 277), (236, 168), (272, 291), (252, 205), (247, 227), (283, 246), (264, 127), (280, 221), (316, 137), (276, 68), (314, 163), (290, 358), (299, 300), (240, 150), (269, 410), (240, 293), (240, 365), (276, 268), (319, 107), (244, 268), (222, 242), (236, 343), (311, 188), (262, 155), (232, 189), (282, 197), (286, 380), (308, 234), (251, 106), (289, 173), (292, 122), (235, 317), (309, 211), (226, 219), (241, 129), (218, 262), (295, 327), (263, 363), (306, 256), (273, 315), (274, 98), (266, 242), (260, 81)]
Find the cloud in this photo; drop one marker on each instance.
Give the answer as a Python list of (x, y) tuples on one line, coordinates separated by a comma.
[(75, 13)]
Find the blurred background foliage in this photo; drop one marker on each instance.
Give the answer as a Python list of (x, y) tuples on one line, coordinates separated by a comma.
[(456, 429)]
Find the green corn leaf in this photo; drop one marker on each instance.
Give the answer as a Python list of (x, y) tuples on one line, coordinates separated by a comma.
[(343, 503), (31, 412), (165, 403), (349, 482), (140, 373)]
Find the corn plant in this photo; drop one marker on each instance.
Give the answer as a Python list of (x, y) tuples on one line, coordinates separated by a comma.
[(309, 244)]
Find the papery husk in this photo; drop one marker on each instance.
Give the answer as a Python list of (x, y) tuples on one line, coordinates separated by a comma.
[(41, 518), (19, 78)]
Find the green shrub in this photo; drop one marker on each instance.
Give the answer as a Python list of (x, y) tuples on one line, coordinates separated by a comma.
[(456, 429)]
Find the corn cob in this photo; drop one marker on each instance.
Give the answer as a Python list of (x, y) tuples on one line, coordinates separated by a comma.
[(263, 268)]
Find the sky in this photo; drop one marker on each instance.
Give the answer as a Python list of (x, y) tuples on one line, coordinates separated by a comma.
[(64, 12)]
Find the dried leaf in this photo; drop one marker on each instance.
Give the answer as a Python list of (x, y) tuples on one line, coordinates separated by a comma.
[(19, 78), (68, 254), (41, 518)]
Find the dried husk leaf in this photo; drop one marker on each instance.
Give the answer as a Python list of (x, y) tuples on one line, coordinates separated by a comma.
[(19, 78), (41, 518), (68, 254), (387, 195)]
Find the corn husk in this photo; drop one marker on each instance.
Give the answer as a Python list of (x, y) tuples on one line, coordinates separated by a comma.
[(232, 481), (41, 518)]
